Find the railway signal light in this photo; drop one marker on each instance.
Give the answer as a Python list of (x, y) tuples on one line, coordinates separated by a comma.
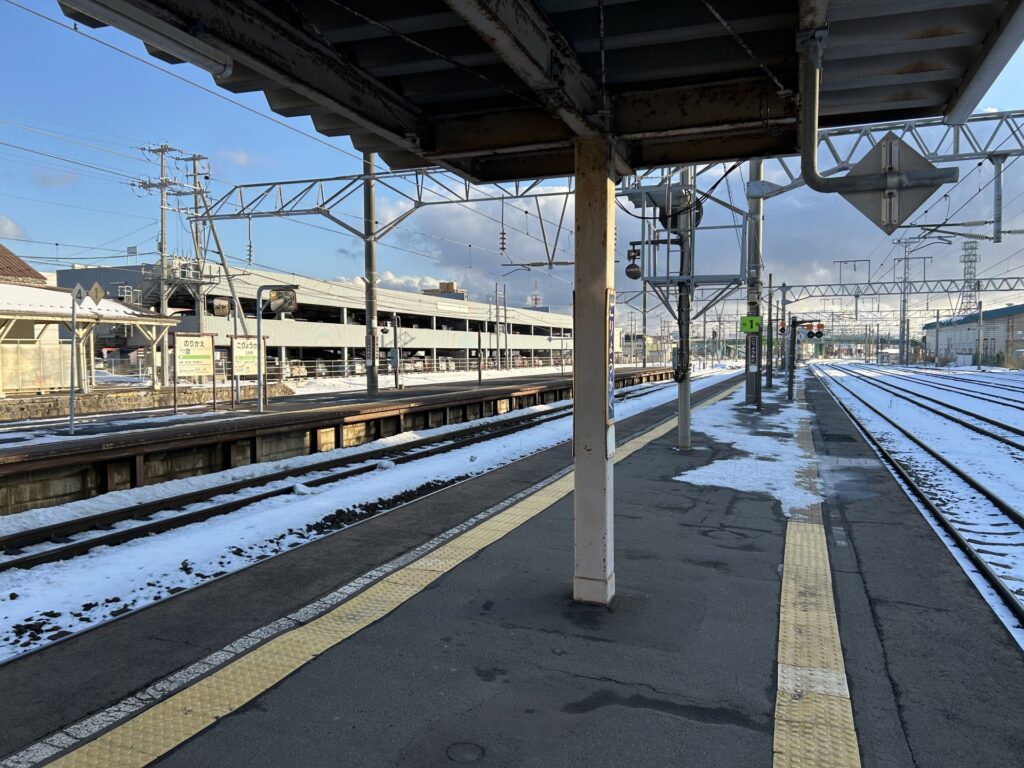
[(633, 271)]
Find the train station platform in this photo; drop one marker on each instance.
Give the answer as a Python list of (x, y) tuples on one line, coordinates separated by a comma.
[(780, 601)]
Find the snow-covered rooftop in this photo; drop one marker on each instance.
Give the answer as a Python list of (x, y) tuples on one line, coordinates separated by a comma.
[(43, 303)]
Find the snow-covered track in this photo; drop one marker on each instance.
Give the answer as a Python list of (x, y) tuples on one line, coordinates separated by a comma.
[(975, 379), (991, 535), (311, 475), (277, 484), (876, 379), (926, 379)]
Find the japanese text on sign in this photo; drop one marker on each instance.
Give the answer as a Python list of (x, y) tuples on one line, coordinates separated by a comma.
[(193, 355), (611, 356), (244, 355)]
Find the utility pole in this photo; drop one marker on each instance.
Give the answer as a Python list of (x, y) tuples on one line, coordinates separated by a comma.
[(497, 328), (769, 341), (682, 372), (643, 285), (162, 150), (755, 208), (903, 305), (936, 338), (197, 236), (981, 332), (783, 301), (370, 274), (704, 342), (504, 314), (791, 361)]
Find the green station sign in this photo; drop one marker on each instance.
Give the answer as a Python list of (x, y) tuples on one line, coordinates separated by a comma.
[(750, 324)]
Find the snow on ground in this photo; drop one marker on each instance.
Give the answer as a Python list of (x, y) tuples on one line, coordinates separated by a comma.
[(997, 466), (56, 431), (49, 602), (995, 536), (775, 465), (411, 378), (1004, 407)]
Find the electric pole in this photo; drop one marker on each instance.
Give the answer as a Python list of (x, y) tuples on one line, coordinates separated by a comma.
[(370, 274), (197, 236), (755, 208), (682, 372), (162, 150)]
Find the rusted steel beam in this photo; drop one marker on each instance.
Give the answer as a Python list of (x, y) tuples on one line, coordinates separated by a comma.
[(524, 39)]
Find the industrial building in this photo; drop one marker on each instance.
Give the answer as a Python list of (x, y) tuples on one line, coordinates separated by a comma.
[(1002, 338), (437, 332)]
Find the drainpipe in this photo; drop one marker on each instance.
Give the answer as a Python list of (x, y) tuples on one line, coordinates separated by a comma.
[(811, 43)]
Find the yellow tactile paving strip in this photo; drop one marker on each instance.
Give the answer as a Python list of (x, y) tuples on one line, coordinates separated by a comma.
[(162, 727), (813, 715)]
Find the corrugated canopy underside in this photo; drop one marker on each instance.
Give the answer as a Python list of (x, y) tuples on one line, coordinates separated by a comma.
[(498, 89)]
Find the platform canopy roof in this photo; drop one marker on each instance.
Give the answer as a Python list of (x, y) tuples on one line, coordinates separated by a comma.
[(498, 89), (44, 304)]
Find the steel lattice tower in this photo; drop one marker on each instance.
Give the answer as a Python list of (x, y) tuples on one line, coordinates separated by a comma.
[(969, 295)]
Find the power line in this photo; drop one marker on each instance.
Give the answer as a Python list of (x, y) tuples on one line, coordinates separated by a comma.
[(65, 245), (77, 207), (68, 160), (60, 136), (247, 108)]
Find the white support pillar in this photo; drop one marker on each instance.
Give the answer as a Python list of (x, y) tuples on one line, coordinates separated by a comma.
[(5, 328), (593, 427)]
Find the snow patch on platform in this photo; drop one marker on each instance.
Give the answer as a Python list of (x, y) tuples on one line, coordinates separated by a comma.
[(774, 465)]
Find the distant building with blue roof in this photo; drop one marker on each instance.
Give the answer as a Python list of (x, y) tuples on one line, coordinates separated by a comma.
[(956, 338)]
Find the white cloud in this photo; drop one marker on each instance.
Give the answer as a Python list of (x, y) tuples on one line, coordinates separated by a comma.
[(54, 180), (390, 280), (406, 282), (237, 157), (10, 228)]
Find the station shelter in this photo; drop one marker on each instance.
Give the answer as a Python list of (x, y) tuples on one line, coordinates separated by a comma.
[(33, 357)]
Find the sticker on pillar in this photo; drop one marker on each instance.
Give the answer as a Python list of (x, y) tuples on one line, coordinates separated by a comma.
[(752, 349), (610, 302)]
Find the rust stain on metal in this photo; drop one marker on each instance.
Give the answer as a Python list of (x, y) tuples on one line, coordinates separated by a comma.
[(918, 67), (932, 32)]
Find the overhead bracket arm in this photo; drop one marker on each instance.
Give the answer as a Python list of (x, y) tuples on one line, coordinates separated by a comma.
[(811, 44)]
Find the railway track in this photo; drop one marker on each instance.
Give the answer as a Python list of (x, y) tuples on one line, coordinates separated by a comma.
[(916, 397), (987, 550), (973, 379), (909, 374), (95, 530)]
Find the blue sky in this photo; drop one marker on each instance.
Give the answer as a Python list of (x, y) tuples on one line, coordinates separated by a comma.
[(103, 105)]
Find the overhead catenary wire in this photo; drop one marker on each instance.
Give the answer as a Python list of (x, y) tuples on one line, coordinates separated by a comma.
[(222, 97)]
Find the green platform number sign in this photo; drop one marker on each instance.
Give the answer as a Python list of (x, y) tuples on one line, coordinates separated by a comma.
[(750, 324)]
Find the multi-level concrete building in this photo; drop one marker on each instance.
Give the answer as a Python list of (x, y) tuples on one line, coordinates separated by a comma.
[(1002, 338), (329, 324)]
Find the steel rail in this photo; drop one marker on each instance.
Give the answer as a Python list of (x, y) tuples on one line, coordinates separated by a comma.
[(12, 542), (409, 452), (915, 373), (893, 389), (1008, 509), (956, 377), (1008, 596)]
